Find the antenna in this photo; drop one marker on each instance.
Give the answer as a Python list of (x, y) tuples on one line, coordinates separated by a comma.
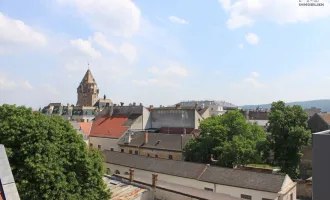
[(88, 65)]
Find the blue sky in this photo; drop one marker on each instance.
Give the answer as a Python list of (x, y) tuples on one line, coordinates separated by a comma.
[(161, 52)]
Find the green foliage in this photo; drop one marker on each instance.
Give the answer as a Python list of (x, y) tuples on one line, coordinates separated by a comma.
[(49, 159), (229, 138), (288, 128)]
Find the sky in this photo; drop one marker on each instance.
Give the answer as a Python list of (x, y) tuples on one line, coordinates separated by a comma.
[(163, 52)]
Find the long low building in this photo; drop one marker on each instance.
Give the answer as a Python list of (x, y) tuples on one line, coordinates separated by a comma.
[(234, 182)]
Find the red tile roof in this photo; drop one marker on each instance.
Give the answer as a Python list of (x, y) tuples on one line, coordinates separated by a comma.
[(85, 127), (109, 127)]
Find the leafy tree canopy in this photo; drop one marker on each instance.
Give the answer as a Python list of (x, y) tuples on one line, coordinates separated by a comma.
[(49, 159), (231, 140), (288, 128)]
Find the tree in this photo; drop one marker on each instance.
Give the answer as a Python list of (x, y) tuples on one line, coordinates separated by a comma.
[(49, 159), (231, 140), (288, 128)]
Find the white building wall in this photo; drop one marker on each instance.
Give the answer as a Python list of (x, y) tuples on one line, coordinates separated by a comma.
[(138, 124), (106, 143), (236, 192), (233, 191), (146, 118)]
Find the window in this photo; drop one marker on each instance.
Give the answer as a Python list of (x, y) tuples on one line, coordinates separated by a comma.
[(117, 172), (148, 155), (136, 153), (99, 147), (170, 157), (111, 149), (130, 151), (208, 189), (156, 156), (108, 171), (244, 196), (122, 150), (291, 196), (90, 145)]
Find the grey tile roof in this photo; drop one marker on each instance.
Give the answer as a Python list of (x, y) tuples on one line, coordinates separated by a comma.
[(182, 189), (164, 166), (218, 175), (243, 179), (172, 142), (6, 177)]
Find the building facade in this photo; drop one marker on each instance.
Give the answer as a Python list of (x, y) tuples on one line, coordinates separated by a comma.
[(156, 145), (216, 107), (88, 92), (234, 182), (321, 165)]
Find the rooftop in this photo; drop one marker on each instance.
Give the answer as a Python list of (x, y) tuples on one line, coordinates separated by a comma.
[(109, 127), (123, 191), (6, 178), (161, 141), (181, 189), (325, 117), (218, 175)]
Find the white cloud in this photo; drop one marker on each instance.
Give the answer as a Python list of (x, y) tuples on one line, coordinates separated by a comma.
[(177, 20), (253, 82), (247, 12), (5, 83), (218, 72), (129, 52), (17, 32), (155, 82), (119, 17), (84, 46), (27, 85), (51, 89), (252, 38), (255, 74), (100, 39), (241, 46), (173, 68)]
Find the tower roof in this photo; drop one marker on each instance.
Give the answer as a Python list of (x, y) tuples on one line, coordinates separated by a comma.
[(88, 78)]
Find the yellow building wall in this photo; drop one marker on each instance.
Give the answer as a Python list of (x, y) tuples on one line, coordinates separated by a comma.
[(152, 153)]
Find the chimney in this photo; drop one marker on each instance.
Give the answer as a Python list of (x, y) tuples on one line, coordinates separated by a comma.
[(177, 106), (146, 137), (154, 180), (134, 104), (114, 104), (107, 105), (141, 104), (151, 107), (196, 106), (121, 103), (131, 175)]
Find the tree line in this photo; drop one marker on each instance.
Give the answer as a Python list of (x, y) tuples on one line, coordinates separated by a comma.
[(233, 141)]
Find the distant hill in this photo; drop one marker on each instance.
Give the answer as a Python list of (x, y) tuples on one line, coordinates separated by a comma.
[(323, 104)]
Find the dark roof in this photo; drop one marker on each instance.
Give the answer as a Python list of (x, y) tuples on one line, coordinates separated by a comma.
[(88, 78), (218, 175), (172, 142), (164, 166), (243, 179), (203, 110)]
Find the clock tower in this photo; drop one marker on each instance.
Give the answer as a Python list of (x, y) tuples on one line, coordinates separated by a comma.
[(88, 92)]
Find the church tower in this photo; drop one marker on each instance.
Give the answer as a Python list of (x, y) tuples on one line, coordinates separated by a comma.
[(88, 92)]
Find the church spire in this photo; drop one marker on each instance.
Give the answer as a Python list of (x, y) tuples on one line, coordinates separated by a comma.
[(88, 78)]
